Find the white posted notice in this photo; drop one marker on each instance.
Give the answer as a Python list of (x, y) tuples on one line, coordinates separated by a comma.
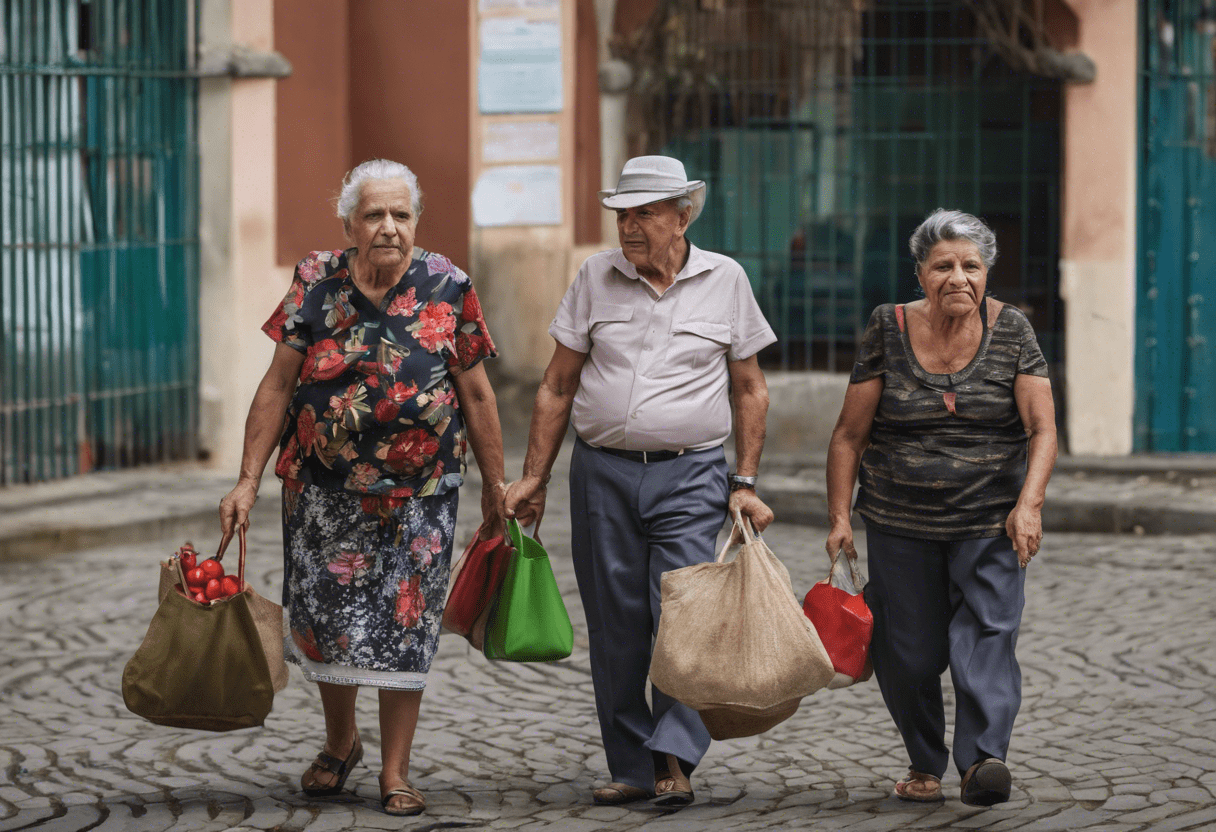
[(520, 70), (518, 195)]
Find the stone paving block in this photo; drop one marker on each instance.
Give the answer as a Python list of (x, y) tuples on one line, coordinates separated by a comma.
[(1006, 821), (1091, 794), (23, 818), (1066, 820), (122, 818), (76, 818), (1199, 819), (341, 818), (1126, 803)]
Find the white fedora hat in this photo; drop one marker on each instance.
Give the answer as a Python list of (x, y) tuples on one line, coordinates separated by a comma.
[(647, 179)]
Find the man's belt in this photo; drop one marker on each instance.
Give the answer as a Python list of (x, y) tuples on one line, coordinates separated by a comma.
[(641, 456)]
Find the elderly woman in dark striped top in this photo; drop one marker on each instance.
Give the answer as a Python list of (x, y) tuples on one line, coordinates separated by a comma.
[(949, 425)]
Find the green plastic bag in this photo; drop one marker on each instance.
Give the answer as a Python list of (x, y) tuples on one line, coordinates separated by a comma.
[(529, 622)]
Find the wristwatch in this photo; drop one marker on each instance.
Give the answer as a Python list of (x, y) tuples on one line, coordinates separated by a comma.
[(737, 483)]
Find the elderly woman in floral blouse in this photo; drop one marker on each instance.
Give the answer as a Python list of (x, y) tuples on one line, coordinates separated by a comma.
[(375, 390)]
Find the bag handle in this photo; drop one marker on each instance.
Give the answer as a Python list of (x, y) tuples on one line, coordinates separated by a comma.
[(181, 574), (850, 555), (240, 565), (742, 528), (240, 569)]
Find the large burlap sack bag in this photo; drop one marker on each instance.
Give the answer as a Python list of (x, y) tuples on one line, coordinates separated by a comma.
[(733, 641), (202, 665), (267, 617)]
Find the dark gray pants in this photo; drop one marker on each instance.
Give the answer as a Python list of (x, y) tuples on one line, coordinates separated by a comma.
[(631, 522), (940, 604)]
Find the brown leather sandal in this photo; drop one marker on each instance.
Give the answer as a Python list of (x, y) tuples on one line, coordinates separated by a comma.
[(671, 787), (329, 763), (918, 787), (414, 804), (617, 794)]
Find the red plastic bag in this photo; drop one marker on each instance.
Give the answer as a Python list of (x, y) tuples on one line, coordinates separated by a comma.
[(475, 580), (843, 621)]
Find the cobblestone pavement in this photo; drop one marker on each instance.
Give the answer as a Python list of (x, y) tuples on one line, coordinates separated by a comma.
[(1117, 730)]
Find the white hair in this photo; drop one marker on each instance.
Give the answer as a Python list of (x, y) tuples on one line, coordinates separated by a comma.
[(375, 169), (952, 225), (683, 202)]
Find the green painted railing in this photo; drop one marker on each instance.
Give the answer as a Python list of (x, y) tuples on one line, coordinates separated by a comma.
[(98, 236)]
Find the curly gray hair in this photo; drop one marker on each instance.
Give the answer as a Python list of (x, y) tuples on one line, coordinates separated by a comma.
[(352, 185), (952, 225)]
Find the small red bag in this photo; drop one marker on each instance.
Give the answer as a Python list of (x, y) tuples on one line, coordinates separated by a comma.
[(473, 586), (843, 621)]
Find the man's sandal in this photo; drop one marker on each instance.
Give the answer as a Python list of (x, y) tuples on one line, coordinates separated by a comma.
[(328, 763), (414, 803), (986, 783), (616, 794), (920, 788)]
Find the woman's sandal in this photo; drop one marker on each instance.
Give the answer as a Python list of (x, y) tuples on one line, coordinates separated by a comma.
[(415, 803), (672, 787), (920, 788), (618, 794), (986, 783), (328, 763)]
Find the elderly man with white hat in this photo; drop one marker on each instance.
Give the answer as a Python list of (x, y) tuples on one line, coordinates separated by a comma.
[(656, 340)]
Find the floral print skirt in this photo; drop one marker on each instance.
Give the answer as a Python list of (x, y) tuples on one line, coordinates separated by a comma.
[(364, 584)]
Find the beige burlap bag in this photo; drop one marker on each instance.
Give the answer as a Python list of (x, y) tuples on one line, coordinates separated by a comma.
[(733, 641), (267, 616)]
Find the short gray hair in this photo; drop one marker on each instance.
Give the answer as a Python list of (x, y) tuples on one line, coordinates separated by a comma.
[(352, 185), (683, 202), (952, 225)]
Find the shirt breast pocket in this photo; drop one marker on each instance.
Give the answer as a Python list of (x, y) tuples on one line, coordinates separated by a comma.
[(608, 317), (695, 344)]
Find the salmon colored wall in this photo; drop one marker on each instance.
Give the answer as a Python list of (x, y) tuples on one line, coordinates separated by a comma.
[(409, 101), (1098, 243), (1100, 137), (313, 135)]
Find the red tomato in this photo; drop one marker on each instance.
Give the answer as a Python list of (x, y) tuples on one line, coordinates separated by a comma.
[(200, 597), (214, 589), (212, 568), (229, 585), (189, 560), (196, 578)]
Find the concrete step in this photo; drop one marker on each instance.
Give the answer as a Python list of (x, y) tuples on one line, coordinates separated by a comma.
[(171, 503), (1120, 497)]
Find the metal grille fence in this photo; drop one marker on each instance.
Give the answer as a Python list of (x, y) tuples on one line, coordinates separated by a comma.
[(825, 140), (98, 235)]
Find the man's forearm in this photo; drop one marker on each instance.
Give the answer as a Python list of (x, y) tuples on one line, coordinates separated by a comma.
[(550, 415), (751, 414)]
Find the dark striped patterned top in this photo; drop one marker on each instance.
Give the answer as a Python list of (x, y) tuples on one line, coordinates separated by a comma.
[(947, 454)]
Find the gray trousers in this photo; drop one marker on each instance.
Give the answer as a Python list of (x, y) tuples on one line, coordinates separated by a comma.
[(631, 522), (940, 604)]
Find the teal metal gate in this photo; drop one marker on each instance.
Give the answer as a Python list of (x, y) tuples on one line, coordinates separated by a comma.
[(98, 235), (828, 143), (1176, 289)]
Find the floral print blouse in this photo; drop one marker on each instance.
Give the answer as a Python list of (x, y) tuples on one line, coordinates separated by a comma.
[(375, 410)]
